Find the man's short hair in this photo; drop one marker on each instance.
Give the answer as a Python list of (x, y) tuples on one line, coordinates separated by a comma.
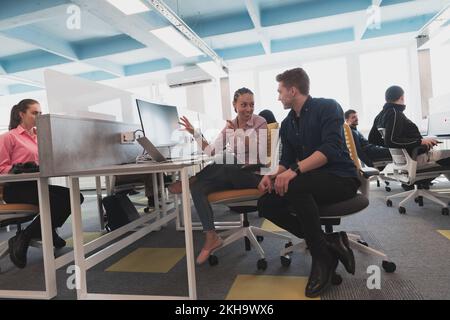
[(394, 93), (295, 78), (348, 113)]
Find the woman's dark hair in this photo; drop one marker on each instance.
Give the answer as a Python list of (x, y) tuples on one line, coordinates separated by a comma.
[(268, 115), (240, 92), (22, 106)]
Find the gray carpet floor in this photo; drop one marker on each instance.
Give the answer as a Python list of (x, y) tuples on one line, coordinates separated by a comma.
[(422, 256)]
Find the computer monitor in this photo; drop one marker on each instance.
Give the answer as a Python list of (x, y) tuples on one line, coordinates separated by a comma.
[(159, 122), (439, 124)]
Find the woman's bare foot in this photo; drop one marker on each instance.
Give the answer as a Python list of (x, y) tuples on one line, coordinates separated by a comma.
[(213, 241), (175, 188)]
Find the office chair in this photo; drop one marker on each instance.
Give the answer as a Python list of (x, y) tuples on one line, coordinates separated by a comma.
[(406, 172), (331, 214), (14, 214), (244, 201)]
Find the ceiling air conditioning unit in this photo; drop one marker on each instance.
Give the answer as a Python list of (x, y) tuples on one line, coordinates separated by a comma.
[(188, 77)]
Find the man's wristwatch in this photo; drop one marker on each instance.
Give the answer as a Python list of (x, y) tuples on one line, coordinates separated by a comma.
[(294, 167)]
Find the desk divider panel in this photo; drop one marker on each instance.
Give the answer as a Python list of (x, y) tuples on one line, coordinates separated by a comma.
[(69, 144)]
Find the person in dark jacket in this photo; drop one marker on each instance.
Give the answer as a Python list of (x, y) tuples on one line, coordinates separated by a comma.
[(315, 168), (367, 152), (402, 133)]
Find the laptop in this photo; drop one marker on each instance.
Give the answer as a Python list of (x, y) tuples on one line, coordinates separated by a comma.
[(157, 156)]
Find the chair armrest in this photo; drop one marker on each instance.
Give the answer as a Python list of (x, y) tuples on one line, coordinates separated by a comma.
[(417, 151), (368, 172)]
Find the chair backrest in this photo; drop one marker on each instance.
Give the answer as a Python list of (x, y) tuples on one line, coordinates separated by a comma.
[(271, 131), (351, 146), (273, 150), (404, 167)]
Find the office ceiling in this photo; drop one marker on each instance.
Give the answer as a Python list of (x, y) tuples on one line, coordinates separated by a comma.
[(34, 34)]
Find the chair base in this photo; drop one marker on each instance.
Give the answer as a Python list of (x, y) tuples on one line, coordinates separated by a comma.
[(356, 243), (412, 194), (251, 233)]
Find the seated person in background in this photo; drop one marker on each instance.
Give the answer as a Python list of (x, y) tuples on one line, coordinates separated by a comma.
[(217, 177), (146, 180), (403, 133), (268, 115), (19, 145), (367, 152)]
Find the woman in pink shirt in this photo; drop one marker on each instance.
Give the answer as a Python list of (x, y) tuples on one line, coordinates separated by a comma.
[(19, 145)]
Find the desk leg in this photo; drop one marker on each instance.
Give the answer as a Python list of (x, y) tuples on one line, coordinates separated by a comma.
[(98, 188), (47, 238), (163, 194), (156, 197), (188, 234), (77, 233), (109, 187)]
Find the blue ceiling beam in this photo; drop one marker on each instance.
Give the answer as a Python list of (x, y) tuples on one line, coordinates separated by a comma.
[(310, 10), (392, 2), (96, 76), (42, 40), (13, 8), (313, 40), (31, 60), (250, 50), (94, 48), (21, 88), (65, 49), (399, 26), (149, 66), (221, 25)]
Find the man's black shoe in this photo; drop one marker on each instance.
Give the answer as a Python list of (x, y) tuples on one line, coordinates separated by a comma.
[(321, 276), (58, 242), (18, 247), (339, 245)]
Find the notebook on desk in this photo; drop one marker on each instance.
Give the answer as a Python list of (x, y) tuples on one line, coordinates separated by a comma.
[(157, 156)]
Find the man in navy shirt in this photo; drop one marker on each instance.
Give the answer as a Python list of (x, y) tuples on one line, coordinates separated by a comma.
[(315, 168)]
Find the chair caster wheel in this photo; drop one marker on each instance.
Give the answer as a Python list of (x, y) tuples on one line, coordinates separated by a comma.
[(287, 245), (336, 279), (388, 266), (260, 238), (285, 260), (402, 210), (262, 264), (388, 189), (147, 210), (213, 260), (363, 243), (445, 211), (389, 203)]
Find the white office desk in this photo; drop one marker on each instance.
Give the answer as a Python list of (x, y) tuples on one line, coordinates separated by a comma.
[(47, 239), (84, 263)]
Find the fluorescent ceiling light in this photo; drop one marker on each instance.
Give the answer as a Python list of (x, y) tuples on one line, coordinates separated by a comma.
[(129, 7), (213, 69), (175, 40)]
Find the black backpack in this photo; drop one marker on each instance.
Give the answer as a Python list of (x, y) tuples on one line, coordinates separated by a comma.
[(119, 211)]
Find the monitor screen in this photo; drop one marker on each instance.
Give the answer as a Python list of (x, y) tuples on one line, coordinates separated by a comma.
[(159, 122)]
